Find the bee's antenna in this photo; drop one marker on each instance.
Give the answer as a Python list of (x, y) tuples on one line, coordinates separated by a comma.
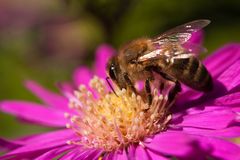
[(107, 79)]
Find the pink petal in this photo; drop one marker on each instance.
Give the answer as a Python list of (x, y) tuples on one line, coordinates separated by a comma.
[(221, 149), (221, 59), (195, 42), (88, 154), (156, 156), (103, 54), (54, 153), (232, 99), (60, 137), (79, 153), (230, 132), (186, 97), (213, 120), (49, 98), (71, 155), (109, 156), (172, 143), (7, 144), (82, 75), (121, 156), (230, 77), (131, 151), (197, 38), (209, 108), (42, 143), (95, 155), (34, 112), (141, 153), (66, 87)]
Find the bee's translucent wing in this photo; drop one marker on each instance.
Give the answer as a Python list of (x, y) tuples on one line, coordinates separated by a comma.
[(181, 34), (177, 36), (163, 52), (154, 55), (194, 48)]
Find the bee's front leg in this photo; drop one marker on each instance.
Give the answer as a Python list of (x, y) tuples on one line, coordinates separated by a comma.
[(129, 82)]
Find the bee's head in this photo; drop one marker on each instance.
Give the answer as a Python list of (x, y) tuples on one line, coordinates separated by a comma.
[(113, 68)]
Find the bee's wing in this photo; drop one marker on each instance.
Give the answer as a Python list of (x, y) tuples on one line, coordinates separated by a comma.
[(153, 55), (194, 48), (176, 36), (163, 52), (181, 34)]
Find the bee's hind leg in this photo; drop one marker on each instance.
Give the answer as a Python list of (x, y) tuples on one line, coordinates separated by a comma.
[(161, 87), (174, 91), (176, 88), (148, 91)]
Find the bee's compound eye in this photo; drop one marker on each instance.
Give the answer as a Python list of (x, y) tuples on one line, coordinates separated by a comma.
[(112, 72)]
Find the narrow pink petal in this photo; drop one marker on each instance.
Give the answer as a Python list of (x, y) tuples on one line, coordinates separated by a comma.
[(141, 153), (155, 155), (23, 155), (40, 144), (71, 155), (60, 136), (131, 151), (230, 77), (109, 156), (221, 149), (171, 143), (49, 98), (87, 154), (209, 108), (7, 144), (229, 132), (66, 87), (213, 120), (34, 113), (197, 99), (221, 59), (82, 154), (232, 99), (186, 96), (95, 155), (103, 54), (121, 155), (54, 153), (82, 75)]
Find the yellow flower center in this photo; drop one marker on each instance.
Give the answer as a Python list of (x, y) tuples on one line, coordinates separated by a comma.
[(108, 121)]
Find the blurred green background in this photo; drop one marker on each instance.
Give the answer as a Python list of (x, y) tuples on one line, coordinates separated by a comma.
[(45, 40)]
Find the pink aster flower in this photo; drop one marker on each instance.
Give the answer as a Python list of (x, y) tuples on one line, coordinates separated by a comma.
[(93, 123)]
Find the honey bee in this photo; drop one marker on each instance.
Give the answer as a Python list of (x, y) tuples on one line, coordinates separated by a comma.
[(165, 55)]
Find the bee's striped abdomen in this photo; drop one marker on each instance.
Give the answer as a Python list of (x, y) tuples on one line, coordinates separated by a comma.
[(192, 72)]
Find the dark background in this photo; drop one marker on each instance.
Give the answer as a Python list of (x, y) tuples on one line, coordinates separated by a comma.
[(45, 40)]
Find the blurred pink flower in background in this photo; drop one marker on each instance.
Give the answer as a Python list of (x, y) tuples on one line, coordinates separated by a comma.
[(47, 29), (25, 13), (67, 38), (199, 129)]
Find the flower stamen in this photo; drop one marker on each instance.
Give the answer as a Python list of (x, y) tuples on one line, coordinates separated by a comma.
[(104, 120)]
